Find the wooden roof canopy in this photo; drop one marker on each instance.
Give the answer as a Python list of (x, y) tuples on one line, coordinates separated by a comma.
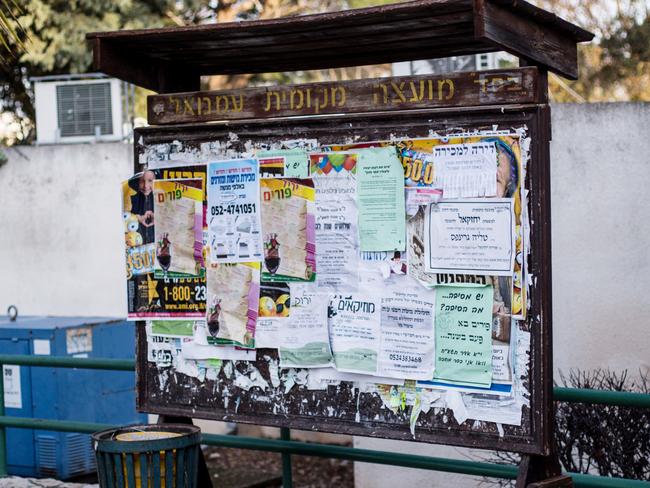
[(173, 59)]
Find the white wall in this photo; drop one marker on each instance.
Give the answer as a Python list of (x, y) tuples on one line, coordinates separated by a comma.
[(601, 236), (61, 246), (61, 231)]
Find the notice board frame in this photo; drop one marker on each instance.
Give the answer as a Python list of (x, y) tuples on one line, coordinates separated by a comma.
[(538, 419)]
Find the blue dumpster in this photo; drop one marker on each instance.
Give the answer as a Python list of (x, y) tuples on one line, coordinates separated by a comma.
[(63, 393)]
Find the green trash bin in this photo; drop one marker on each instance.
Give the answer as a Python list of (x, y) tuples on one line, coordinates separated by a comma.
[(148, 456)]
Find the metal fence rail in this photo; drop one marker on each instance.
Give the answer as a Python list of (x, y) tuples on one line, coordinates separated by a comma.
[(287, 447)]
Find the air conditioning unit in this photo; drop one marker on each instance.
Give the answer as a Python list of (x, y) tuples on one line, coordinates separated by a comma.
[(78, 108)]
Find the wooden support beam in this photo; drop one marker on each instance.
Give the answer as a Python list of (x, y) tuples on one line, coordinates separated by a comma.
[(161, 77), (526, 37)]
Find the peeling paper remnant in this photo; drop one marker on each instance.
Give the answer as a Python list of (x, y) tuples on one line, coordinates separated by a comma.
[(250, 380), (455, 403)]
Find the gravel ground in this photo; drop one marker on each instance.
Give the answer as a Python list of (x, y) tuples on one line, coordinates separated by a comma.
[(239, 468)]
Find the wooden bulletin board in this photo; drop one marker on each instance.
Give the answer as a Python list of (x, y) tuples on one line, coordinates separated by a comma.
[(505, 100), (184, 120)]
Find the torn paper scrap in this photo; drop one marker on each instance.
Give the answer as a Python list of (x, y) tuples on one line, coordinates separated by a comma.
[(304, 338), (233, 300), (192, 350), (331, 375)]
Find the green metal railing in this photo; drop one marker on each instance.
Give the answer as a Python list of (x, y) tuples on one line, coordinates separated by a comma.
[(286, 447)]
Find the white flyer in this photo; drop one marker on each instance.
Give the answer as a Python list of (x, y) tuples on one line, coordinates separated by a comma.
[(466, 170), (501, 371), (267, 331), (407, 335), (337, 233), (13, 392), (471, 236), (354, 324), (234, 224), (331, 376), (304, 338), (191, 350)]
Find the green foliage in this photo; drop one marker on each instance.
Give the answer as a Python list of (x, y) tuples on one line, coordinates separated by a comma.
[(616, 65), (53, 33), (46, 37), (605, 440)]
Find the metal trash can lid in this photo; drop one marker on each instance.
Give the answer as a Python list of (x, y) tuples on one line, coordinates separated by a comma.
[(145, 436)]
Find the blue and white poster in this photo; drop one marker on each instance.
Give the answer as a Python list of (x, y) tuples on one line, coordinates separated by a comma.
[(234, 211)]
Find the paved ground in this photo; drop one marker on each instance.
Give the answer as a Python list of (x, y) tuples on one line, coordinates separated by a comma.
[(14, 482)]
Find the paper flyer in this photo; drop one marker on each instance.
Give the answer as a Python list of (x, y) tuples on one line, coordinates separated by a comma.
[(267, 332), (192, 171), (304, 338), (178, 207), (274, 310), (294, 163), (501, 371), (171, 328), (466, 170), (191, 350), (234, 211), (407, 348), (337, 234), (463, 324), (381, 200), (137, 214), (165, 299), (354, 325), (470, 236), (330, 376), (288, 228), (149, 297), (233, 301), (271, 166), (393, 263), (162, 350), (420, 179), (333, 163)]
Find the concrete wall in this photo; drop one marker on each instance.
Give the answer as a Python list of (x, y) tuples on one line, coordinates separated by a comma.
[(61, 246), (61, 238)]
